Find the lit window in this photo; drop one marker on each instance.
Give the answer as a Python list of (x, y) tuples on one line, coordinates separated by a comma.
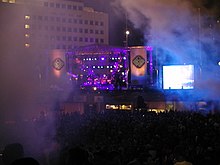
[(27, 17), (11, 1), (27, 35), (27, 45), (4, 0), (27, 26)]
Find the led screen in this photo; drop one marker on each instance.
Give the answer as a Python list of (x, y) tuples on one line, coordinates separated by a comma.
[(178, 77)]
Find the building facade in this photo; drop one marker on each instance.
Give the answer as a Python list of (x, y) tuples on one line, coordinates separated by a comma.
[(32, 29), (53, 24)]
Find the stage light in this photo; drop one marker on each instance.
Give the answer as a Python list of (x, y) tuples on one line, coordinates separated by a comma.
[(102, 58)]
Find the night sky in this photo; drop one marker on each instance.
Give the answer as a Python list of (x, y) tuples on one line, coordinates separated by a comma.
[(117, 18)]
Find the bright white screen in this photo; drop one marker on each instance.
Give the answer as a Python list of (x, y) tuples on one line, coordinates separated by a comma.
[(178, 77)]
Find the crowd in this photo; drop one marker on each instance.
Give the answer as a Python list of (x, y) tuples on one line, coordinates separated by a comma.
[(135, 138)]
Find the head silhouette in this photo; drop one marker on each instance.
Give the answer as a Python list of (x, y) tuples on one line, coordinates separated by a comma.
[(12, 152), (25, 161)]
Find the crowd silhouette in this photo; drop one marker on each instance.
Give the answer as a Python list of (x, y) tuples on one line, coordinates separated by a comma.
[(130, 138)]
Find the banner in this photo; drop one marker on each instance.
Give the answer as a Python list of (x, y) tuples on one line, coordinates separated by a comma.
[(138, 63)]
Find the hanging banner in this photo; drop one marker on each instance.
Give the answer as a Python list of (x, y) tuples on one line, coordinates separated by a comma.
[(58, 63), (138, 63)]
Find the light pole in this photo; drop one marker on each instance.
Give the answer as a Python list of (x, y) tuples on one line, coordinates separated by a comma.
[(126, 35)]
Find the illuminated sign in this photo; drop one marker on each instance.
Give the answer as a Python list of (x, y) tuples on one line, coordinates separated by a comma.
[(58, 64), (138, 61)]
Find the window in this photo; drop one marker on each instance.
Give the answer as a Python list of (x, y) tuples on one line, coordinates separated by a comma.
[(11, 1), (46, 18), (51, 4), (75, 38), (86, 39), (80, 21), (96, 23), (91, 39), (57, 5), (74, 7), (75, 20), (96, 32), (69, 7), (52, 46), (27, 35), (70, 20), (101, 23), (58, 28), (58, 38), (80, 30), (52, 28), (86, 30), (80, 39), (69, 38), (27, 45), (91, 22), (63, 6), (97, 40), (52, 38), (64, 38), (51, 19), (64, 20), (80, 7), (91, 31), (69, 29), (86, 22), (101, 32), (75, 29), (27, 17), (40, 18), (27, 26), (46, 4), (58, 19), (102, 40), (64, 29)]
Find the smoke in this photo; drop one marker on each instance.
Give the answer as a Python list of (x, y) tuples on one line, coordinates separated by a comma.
[(181, 32), (25, 88)]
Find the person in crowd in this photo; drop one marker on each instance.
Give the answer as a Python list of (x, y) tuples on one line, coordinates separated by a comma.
[(12, 152), (25, 161)]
